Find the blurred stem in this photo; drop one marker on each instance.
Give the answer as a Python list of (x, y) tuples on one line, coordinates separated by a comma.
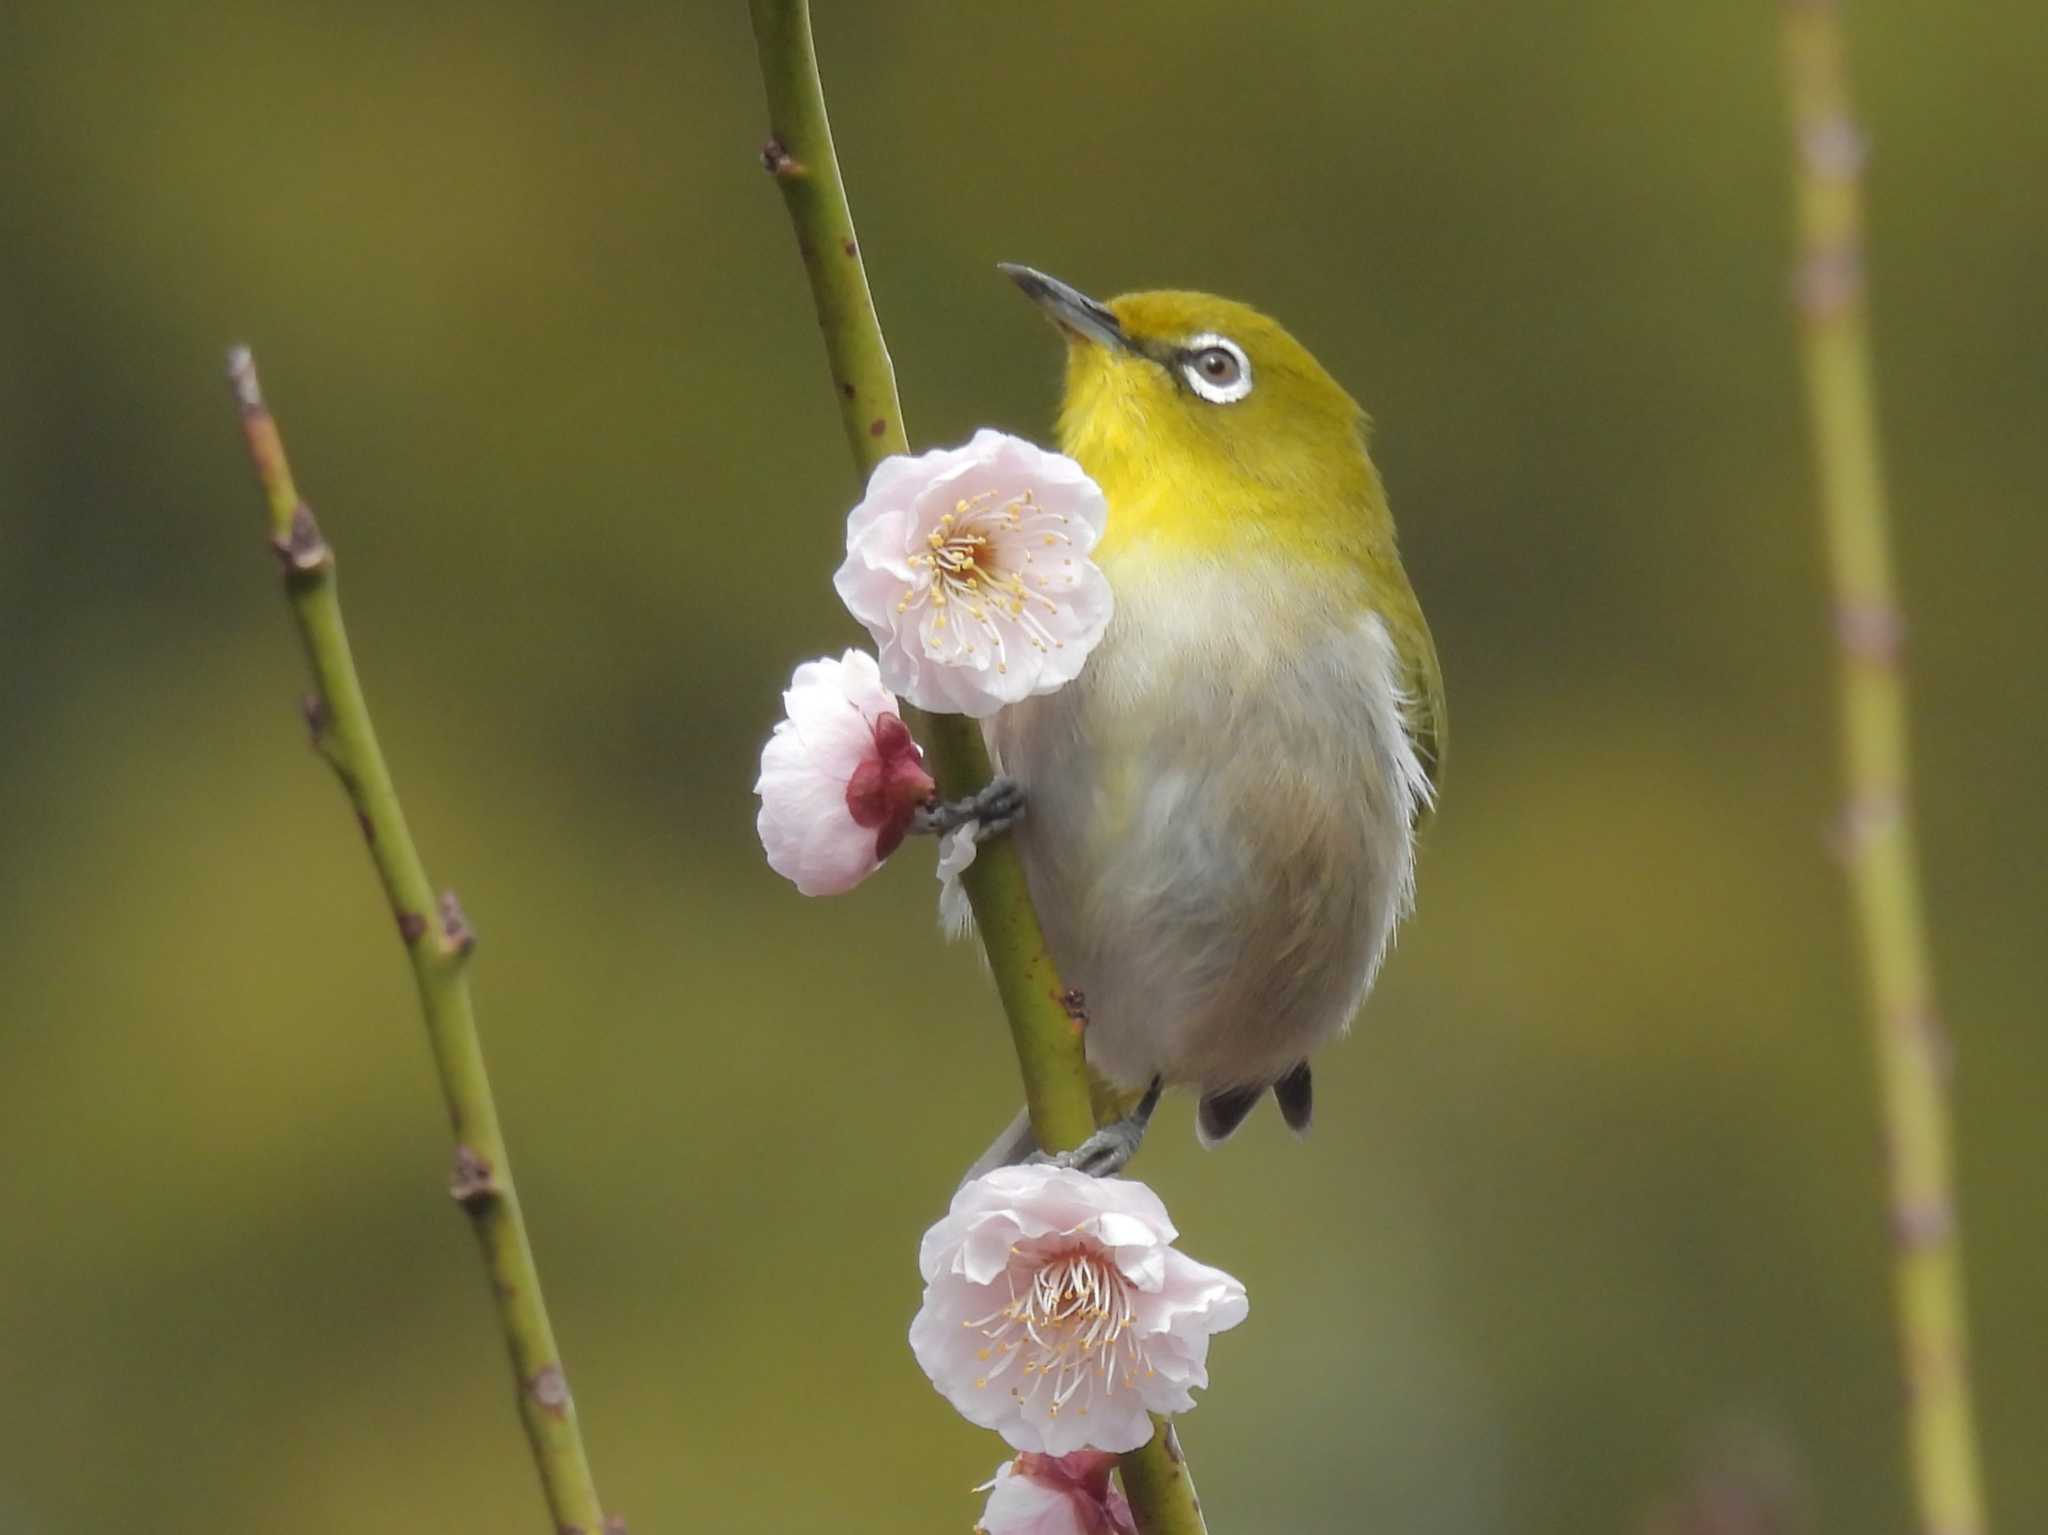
[(1877, 830), (1045, 1019), (438, 942)]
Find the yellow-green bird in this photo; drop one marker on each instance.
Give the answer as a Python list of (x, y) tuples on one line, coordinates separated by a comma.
[(1223, 806)]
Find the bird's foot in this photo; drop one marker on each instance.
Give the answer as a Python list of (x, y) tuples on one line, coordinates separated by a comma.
[(1109, 1150), (994, 809)]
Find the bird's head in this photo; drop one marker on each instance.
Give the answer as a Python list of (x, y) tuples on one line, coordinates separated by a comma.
[(1216, 435), (1201, 397)]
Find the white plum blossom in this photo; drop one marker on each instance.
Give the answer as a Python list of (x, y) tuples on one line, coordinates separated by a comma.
[(970, 568), (840, 777), (1058, 1313), (1056, 1495)]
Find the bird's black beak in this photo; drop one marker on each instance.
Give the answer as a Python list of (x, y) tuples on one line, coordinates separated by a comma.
[(1069, 308)]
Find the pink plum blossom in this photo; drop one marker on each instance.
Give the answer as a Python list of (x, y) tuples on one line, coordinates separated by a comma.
[(1058, 1313), (840, 777), (1056, 1495), (970, 568)]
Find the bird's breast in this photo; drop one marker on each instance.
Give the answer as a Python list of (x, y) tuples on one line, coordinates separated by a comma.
[(1219, 831)]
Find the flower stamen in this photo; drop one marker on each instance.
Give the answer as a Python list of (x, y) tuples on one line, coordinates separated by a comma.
[(966, 564), (1080, 1340), (1077, 1316), (970, 567)]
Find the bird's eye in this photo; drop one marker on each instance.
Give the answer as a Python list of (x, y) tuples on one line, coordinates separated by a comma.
[(1216, 369)]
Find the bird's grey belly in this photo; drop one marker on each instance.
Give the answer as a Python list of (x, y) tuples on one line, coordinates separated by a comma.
[(1216, 847)]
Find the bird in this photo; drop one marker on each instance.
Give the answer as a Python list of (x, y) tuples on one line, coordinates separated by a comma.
[(1220, 813)]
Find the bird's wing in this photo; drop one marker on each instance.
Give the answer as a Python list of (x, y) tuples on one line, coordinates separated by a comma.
[(1422, 679), (1432, 723)]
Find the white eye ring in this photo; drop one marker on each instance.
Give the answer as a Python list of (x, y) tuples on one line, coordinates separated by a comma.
[(1233, 386)]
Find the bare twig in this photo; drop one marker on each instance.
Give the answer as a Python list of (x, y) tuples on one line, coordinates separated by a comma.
[(1876, 836), (438, 941)]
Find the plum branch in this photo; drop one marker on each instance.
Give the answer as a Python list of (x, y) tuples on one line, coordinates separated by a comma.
[(1045, 1019), (438, 942)]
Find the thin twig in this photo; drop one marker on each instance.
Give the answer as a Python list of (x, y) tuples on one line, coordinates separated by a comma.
[(1876, 833), (438, 941), (1045, 1023)]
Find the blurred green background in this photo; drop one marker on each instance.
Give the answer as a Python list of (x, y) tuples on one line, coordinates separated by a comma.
[(1593, 1207)]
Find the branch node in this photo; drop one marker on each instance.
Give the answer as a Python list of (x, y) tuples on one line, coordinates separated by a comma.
[(1862, 821), (457, 936), (474, 1182), (1871, 631), (1921, 1028), (303, 551), (1829, 280), (1833, 147), (550, 1391), (778, 162), (410, 926), (1922, 1224), (1074, 1003), (313, 709)]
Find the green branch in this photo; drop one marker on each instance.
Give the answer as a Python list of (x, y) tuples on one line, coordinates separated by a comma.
[(1045, 1018), (438, 942), (799, 156), (1877, 830)]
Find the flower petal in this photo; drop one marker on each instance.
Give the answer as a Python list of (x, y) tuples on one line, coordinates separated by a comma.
[(970, 568), (825, 743), (1055, 1495), (1057, 1312)]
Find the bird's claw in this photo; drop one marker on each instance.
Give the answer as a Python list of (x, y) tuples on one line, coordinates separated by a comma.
[(1103, 1155), (994, 809), (1109, 1150)]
